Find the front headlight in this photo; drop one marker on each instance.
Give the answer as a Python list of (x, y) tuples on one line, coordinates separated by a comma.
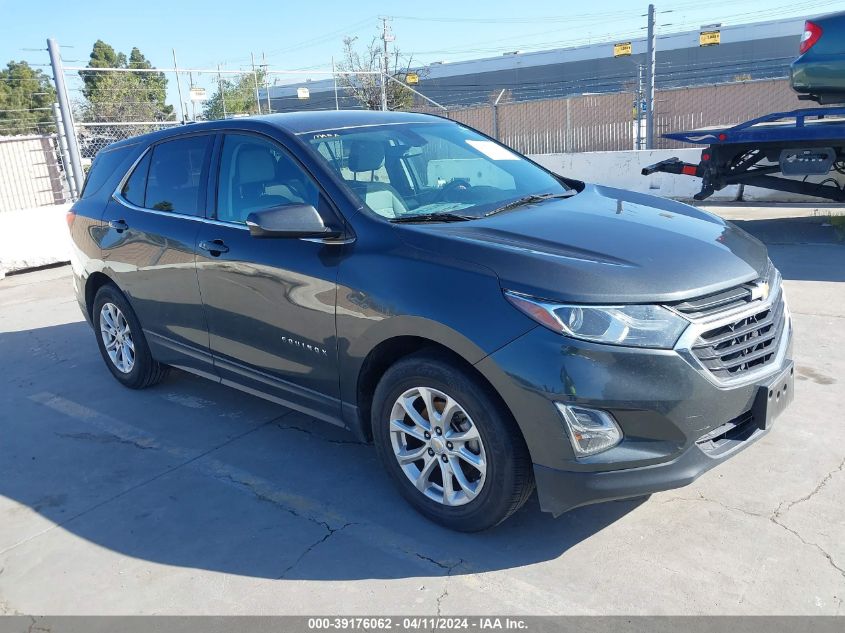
[(631, 325)]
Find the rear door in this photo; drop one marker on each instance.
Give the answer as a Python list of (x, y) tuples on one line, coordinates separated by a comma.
[(149, 246), (269, 303)]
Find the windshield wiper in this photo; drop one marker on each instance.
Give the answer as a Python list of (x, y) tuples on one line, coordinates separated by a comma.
[(442, 216), (531, 199)]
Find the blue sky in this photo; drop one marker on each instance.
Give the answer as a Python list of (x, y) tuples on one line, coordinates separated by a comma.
[(303, 34)]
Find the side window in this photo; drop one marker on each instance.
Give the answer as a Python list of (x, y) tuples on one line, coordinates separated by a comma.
[(105, 164), (256, 174), (136, 185), (175, 175)]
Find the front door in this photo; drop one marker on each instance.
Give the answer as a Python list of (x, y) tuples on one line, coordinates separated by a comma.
[(269, 303), (149, 247)]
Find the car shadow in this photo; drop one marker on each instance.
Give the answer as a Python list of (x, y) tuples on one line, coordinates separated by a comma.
[(196, 475), (803, 248)]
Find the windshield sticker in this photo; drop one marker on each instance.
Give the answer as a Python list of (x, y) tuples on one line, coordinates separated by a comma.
[(492, 150)]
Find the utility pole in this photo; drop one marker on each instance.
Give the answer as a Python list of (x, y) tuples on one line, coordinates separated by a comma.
[(193, 102), (178, 85), (255, 79), (222, 90), (334, 78), (67, 115), (63, 152), (266, 80), (650, 72), (386, 36)]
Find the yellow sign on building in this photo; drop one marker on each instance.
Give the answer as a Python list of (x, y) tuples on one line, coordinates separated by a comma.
[(622, 49), (709, 38), (412, 78)]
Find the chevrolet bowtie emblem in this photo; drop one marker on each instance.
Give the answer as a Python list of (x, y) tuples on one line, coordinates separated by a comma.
[(760, 291)]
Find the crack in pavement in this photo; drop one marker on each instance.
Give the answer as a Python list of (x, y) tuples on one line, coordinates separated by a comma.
[(329, 533), (293, 427), (143, 483), (33, 628), (299, 507), (811, 544), (450, 568), (780, 509), (109, 438), (772, 518)]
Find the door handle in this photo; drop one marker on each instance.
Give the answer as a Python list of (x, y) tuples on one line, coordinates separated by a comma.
[(118, 225), (214, 247)]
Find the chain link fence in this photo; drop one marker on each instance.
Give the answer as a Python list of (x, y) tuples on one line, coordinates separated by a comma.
[(723, 104), (614, 122), (547, 126), (536, 115), (31, 172)]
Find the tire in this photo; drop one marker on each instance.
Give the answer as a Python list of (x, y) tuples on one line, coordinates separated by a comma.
[(494, 492), (143, 371)]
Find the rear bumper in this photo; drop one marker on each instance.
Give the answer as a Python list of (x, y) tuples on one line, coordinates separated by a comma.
[(818, 76)]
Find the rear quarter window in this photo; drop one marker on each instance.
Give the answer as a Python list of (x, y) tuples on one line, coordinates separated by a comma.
[(105, 168)]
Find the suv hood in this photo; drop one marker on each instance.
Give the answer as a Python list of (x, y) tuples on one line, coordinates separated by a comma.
[(603, 245)]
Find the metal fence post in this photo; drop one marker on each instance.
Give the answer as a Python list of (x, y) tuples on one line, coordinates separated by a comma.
[(62, 143), (650, 80), (67, 116), (496, 115)]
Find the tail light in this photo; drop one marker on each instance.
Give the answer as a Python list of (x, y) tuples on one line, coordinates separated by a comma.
[(70, 217), (812, 33)]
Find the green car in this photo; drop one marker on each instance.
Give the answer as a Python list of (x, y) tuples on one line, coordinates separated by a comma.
[(819, 72)]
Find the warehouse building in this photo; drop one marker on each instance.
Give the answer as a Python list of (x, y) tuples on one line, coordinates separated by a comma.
[(711, 55)]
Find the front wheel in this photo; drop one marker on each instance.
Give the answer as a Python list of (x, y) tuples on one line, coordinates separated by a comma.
[(122, 343), (449, 444)]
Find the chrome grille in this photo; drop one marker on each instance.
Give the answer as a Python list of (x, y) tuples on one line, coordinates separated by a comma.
[(724, 300), (729, 347), (748, 343)]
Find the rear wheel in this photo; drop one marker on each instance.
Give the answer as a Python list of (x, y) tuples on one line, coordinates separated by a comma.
[(449, 444), (121, 341)]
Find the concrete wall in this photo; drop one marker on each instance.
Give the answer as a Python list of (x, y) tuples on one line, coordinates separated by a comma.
[(623, 170), (30, 175), (33, 237)]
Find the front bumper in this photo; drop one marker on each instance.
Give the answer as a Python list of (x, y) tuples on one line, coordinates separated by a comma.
[(677, 421), (560, 490)]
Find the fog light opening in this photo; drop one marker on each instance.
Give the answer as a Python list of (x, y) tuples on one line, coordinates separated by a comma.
[(590, 431)]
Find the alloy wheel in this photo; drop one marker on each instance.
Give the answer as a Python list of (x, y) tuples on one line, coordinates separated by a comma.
[(117, 337), (438, 446)]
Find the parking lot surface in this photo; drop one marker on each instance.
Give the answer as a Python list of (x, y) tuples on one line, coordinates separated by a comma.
[(192, 498)]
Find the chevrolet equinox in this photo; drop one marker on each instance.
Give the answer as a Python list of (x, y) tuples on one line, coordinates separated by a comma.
[(490, 326)]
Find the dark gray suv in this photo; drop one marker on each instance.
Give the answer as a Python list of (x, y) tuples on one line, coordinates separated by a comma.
[(487, 324)]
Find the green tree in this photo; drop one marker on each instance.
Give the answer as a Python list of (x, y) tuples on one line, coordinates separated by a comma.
[(26, 99), (366, 88), (123, 96), (233, 97)]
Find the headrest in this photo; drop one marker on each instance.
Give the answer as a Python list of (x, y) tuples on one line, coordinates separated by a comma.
[(256, 164), (365, 155)]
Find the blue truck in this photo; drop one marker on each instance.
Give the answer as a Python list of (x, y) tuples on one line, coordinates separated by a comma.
[(781, 150)]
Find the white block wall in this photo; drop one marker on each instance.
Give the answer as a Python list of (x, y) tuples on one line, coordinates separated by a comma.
[(623, 170)]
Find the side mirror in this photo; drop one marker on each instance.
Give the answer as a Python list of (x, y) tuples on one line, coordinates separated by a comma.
[(290, 220)]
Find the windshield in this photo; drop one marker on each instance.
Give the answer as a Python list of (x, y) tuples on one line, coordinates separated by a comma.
[(429, 170)]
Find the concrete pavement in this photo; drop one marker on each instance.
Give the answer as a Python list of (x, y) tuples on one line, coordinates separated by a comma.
[(192, 498)]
